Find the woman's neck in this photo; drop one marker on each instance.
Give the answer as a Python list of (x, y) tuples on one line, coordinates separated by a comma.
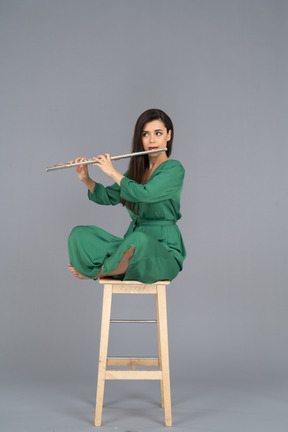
[(155, 161), (153, 164)]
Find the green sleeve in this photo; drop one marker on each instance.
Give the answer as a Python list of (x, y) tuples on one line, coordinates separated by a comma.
[(166, 182), (109, 195)]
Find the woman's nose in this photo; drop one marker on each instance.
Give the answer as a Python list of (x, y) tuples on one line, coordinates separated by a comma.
[(152, 138)]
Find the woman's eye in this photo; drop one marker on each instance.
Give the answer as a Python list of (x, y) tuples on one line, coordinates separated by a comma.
[(145, 134), (159, 133)]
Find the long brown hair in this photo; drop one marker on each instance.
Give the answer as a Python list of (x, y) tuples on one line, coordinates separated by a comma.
[(139, 164)]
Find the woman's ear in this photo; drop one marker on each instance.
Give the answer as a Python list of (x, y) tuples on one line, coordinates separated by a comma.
[(169, 135)]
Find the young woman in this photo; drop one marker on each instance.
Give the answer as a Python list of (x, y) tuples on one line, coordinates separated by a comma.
[(152, 248)]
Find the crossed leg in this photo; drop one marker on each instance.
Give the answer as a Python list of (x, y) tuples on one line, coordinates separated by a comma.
[(120, 269)]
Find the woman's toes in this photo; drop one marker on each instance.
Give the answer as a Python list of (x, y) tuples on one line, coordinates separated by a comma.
[(76, 273)]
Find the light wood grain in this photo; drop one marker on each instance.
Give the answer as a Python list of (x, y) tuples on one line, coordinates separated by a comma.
[(114, 286), (104, 339), (133, 375), (163, 330), (128, 362)]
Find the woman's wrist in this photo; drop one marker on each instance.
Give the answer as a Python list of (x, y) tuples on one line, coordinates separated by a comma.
[(89, 183), (117, 177)]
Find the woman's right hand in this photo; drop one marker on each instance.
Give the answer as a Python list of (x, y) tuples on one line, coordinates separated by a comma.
[(82, 170)]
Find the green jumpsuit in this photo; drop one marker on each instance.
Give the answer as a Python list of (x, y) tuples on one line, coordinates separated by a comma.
[(159, 248)]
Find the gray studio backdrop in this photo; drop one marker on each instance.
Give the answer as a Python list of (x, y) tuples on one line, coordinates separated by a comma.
[(75, 75)]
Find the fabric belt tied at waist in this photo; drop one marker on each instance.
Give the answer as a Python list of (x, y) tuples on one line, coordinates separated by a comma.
[(139, 221)]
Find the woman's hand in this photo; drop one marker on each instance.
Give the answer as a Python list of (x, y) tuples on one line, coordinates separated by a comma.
[(101, 161), (105, 164), (83, 174), (82, 170)]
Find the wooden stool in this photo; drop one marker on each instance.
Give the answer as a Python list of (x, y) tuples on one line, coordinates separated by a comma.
[(114, 286)]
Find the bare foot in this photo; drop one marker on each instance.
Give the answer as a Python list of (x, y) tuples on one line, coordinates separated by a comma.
[(76, 273)]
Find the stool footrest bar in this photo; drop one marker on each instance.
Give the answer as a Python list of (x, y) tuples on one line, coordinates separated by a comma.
[(117, 321), (133, 358), (133, 375)]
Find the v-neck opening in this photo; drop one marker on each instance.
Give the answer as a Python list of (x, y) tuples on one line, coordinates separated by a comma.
[(156, 170)]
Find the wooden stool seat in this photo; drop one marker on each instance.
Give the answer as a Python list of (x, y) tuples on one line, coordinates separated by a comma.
[(114, 286)]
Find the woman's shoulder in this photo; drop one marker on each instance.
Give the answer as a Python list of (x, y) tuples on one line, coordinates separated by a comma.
[(172, 164)]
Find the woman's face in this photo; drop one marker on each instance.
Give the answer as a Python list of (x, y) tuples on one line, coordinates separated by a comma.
[(155, 135)]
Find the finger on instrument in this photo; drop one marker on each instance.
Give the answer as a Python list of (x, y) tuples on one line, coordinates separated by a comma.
[(100, 158), (80, 159)]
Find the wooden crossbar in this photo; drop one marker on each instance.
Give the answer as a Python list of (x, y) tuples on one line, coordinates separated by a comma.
[(133, 375), (128, 361)]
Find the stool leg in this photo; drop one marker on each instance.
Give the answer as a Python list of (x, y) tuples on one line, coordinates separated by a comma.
[(163, 330), (104, 339), (159, 351)]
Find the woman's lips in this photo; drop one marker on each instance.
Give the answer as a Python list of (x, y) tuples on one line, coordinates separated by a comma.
[(153, 148)]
